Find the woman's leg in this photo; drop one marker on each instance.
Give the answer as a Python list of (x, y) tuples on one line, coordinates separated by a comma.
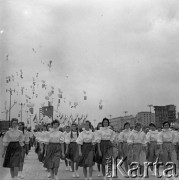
[(98, 165), (12, 172), (103, 170), (52, 173), (90, 172), (16, 171), (55, 171), (85, 172)]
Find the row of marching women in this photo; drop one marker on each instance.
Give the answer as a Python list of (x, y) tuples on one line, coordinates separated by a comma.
[(16, 142), (86, 148)]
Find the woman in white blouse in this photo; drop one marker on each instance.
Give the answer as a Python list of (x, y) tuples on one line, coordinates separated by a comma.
[(13, 142), (152, 136), (72, 149), (26, 143), (55, 149), (122, 143), (85, 142), (137, 146), (105, 141), (167, 141)]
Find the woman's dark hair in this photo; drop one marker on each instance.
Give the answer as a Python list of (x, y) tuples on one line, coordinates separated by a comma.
[(137, 124), (105, 119), (127, 123), (23, 126), (166, 122), (47, 126), (14, 119), (74, 124), (55, 121), (152, 125), (90, 125), (98, 125)]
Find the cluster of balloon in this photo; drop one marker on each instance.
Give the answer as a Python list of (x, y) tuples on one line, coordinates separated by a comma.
[(100, 105), (85, 96)]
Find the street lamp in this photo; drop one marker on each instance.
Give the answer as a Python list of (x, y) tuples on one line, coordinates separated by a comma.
[(150, 105), (21, 104), (10, 91)]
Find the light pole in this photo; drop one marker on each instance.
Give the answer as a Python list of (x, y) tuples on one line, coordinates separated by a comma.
[(27, 114), (21, 104), (150, 105), (10, 91)]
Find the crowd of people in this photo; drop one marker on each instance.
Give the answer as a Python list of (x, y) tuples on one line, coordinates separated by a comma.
[(88, 147)]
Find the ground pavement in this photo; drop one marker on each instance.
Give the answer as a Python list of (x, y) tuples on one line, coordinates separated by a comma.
[(33, 170)]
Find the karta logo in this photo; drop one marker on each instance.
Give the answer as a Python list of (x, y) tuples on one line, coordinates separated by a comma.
[(135, 170)]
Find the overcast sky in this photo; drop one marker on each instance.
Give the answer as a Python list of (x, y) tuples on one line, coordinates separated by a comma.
[(125, 53)]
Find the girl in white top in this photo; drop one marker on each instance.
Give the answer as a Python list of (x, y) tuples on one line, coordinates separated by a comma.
[(137, 146), (13, 142), (122, 143), (55, 149), (67, 161), (105, 141), (152, 136), (167, 141), (86, 140), (72, 149)]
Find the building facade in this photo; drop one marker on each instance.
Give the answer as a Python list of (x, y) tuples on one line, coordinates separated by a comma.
[(145, 118), (118, 122), (164, 113)]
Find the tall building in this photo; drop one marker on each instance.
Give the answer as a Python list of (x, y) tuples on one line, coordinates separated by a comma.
[(118, 122), (164, 113), (145, 118)]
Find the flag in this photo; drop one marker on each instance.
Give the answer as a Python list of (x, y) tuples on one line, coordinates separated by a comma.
[(35, 118), (46, 111), (31, 110)]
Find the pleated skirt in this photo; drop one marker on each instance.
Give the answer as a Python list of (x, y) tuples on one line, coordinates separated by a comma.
[(53, 155), (88, 154), (13, 155), (73, 152)]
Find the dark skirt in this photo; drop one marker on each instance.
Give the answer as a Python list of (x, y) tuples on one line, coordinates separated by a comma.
[(87, 158), (53, 155), (13, 155), (98, 159), (73, 152), (37, 148), (23, 150), (42, 154), (106, 147)]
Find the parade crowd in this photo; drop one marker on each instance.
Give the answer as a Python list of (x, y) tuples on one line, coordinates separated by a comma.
[(88, 147)]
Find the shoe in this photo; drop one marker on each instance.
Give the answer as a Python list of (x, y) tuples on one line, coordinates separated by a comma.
[(99, 175), (56, 177), (77, 175), (70, 169), (22, 177), (73, 175), (49, 175), (67, 169)]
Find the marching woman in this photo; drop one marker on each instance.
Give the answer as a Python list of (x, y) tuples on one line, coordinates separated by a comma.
[(137, 146), (13, 142), (85, 143), (67, 161), (152, 136), (167, 141), (97, 157), (122, 144), (72, 149), (105, 141), (55, 150), (23, 151)]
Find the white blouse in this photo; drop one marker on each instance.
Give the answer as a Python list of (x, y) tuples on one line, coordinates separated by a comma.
[(167, 136), (69, 139), (105, 133), (137, 137), (13, 135), (86, 137), (123, 136), (55, 136), (152, 136)]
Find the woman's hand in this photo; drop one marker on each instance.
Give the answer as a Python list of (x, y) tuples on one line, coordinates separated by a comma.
[(80, 154)]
